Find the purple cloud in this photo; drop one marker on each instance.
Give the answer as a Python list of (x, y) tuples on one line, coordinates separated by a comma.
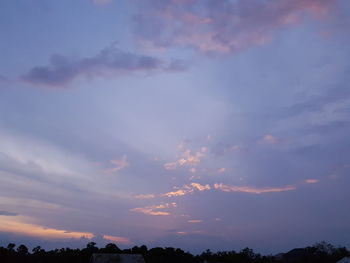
[(6, 213), (110, 60), (221, 26)]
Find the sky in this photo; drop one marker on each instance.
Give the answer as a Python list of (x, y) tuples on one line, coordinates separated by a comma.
[(198, 124)]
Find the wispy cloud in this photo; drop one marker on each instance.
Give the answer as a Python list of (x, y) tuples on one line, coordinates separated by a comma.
[(118, 239), (186, 189), (195, 221), (187, 158), (311, 181), (145, 196), (252, 190), (155, 210), (224, 26), (109, 61), (19, 226), (119, 164), (268, 138), (6, 213)]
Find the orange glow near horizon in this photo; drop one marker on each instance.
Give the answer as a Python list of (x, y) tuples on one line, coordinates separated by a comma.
[(13, 225)]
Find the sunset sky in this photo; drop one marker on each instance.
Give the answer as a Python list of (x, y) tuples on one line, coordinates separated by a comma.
[(196, 124)]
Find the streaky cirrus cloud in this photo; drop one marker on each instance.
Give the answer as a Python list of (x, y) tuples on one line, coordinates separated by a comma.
[(6, 213), (312, 181), (117, 239), (221, 26), (20, 226), (195, 221), (119, 164), (110, 61), (252, 190), (154, 210)]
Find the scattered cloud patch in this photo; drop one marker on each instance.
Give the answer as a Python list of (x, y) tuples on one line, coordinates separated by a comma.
[(187, 158), (225, 26), (187, 189)]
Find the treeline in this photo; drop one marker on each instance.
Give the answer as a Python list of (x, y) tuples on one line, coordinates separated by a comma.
[(320, 253)]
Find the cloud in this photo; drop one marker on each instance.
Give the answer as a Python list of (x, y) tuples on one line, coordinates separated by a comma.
[(117, 239), (119, 164), (19, 226), (109, 61), (252, 190), (311, 181), (195, 221), (145, 196), (187, 158), (6, 213), (221, 26), (221, 170), (186, 189), (268, 138), (155, 209)]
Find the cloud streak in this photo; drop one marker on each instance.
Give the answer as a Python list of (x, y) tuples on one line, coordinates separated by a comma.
[(109, 61), (154, 210), (19, 226), (252, 190), (117, 239)]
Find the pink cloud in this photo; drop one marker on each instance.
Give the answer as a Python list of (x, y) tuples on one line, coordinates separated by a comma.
[(222, 26), (119, 164), (187, 158), (187, 189), (268, 138), (252, 190), (121, 240), (311, 181), (195, 221), (155, 210)]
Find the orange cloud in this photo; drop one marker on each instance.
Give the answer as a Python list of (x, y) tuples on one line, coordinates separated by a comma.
[(200, 187), (186, 189), (154, 210), (18, 226), (176, 193), (121, 240), (195, 221), (187, 158), (252, 190), (311, 181)]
